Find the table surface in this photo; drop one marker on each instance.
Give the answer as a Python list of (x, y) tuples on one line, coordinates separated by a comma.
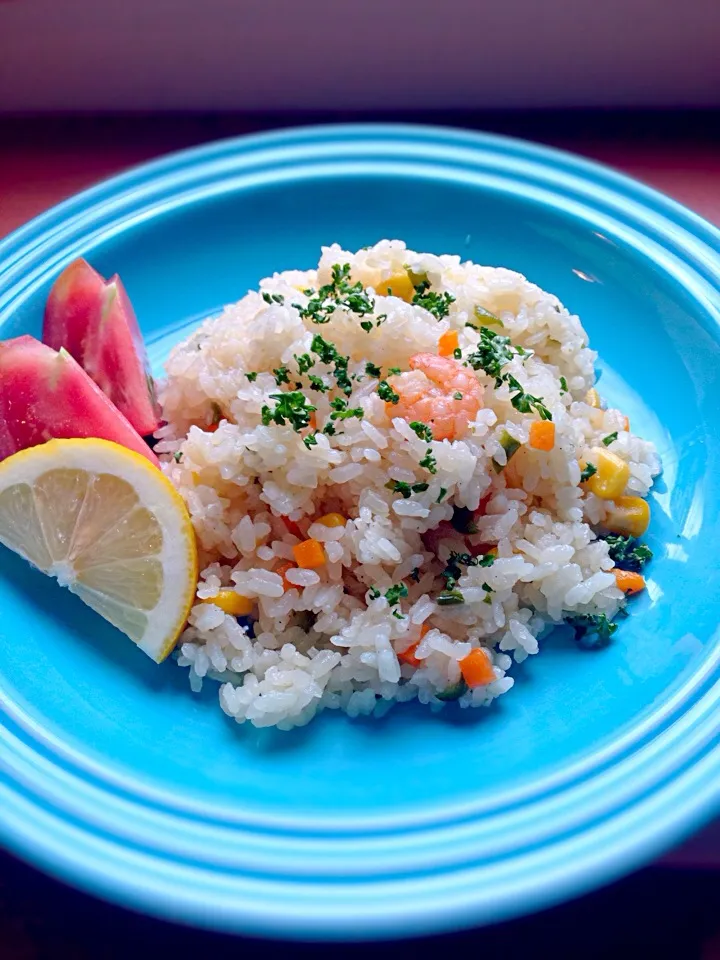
[(42, 161)]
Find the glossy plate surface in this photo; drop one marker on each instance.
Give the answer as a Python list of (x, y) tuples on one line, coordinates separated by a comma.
[(114, 777)]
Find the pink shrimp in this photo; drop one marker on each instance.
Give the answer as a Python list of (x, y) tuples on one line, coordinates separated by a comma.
[(438, 391)]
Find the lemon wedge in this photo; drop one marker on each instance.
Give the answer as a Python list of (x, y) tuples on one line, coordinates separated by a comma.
[(108, 525)]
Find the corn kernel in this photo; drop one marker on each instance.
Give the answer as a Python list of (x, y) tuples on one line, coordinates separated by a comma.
[(592, 398), (612, 474), (629, 516), (332, 520), (231, 603), (398, 285)]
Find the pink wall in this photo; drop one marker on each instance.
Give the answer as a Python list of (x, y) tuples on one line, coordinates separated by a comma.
[(280, 54)]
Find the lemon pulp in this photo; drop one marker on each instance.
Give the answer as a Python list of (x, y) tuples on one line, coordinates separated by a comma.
[(109, 526)]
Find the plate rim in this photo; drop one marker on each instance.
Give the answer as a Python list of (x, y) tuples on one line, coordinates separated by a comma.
[(701, 798)]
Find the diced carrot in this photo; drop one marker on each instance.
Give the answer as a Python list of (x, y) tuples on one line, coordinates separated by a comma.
[(626, 423), (476, 668), (312, 422), (542, 434), (281, 569), (628, 581), (293, 528), (211, 427), (408, 656), (309, 554), (448, 343)]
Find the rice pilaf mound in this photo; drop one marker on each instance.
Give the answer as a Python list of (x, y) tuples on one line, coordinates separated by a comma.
[(397, 478)]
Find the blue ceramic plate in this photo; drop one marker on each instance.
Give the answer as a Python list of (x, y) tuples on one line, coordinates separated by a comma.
[(114, 777)]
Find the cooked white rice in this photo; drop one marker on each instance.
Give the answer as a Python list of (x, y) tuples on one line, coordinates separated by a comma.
[(319, 639)]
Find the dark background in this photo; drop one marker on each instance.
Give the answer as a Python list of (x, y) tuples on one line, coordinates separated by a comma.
[(670, 910)]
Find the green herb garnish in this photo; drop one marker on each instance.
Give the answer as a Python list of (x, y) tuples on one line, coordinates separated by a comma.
[(627, 552), (304, 362), (589, 470), (341, 411), (386, 392), (438, 304), (493, 352), (282, 375), (273, 297), (317, 383), (429, 462), (610, 438), (396, 593), (525, 402), (292, 407), (310, 440), (177, 456), (593, 630), (252, 376), (563, 385), (441, 495), (422, 430), (372, 370)]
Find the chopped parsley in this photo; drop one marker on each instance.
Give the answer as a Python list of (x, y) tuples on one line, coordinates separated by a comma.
[(493, 352), (429, 462), (441, 495), (282, 375), (396, 593), (452, 571), (525, 402), (372, 370), (304, 362), (405, 489), (317, 383), (627, 552), (338, 293), (329, 429), (593, 630), (366, 325), (273, 297), (610, 438), (177, 456), (252, 376), (292, 407), (563, 385), (422, 430), (392, 371), (341, 411), (328, 354), (386, 392), (457, 395), (310, 440), (438, 304), (589, 470), (457, 353)]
